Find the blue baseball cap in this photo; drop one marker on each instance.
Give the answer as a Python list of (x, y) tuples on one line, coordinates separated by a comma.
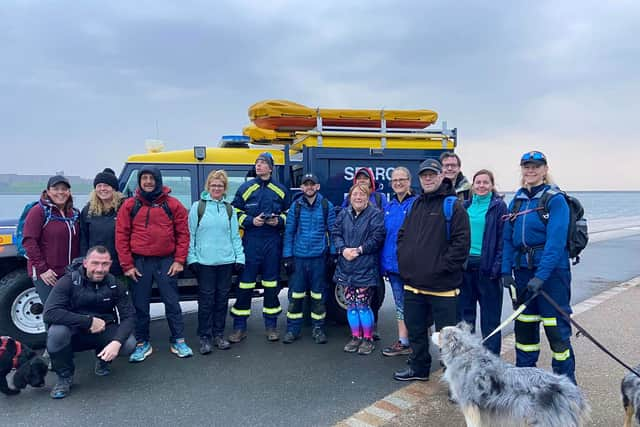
[(535, 157)]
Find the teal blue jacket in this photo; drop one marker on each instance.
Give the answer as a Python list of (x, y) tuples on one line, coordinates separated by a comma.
[(216, 241)]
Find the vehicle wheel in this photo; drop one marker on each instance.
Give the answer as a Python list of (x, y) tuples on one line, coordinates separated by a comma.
[(21, 310), (336, 304)]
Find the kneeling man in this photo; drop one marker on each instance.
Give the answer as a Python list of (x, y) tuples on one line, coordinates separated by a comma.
[(81, 314)]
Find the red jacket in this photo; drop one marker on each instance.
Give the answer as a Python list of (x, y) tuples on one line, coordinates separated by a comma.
[(151, 232), (54, 245)]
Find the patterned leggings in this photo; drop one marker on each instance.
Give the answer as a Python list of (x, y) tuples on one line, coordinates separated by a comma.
[(359, 311)]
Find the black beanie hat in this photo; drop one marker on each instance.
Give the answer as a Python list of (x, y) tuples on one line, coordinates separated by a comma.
[(108, 177)]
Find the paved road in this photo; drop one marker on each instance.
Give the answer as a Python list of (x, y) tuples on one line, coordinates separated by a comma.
[(256, 382)]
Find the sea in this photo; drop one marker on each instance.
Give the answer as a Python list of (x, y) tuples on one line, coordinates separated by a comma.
[(598, 205)]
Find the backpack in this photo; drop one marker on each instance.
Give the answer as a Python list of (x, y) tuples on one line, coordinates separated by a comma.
[(578, 234), (325, 214), (202, 205), (48, 216), (447, 208), (138, 205)]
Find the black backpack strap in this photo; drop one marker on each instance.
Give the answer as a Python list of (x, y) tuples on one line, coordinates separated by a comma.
[(167, 210), (137, 205), (515, 208), (202, 205), (229, 210), (378, 199), (325, 213), (544, 204)]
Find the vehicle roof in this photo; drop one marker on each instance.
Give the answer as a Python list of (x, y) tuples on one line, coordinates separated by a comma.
[(215, 155), (372, 140)]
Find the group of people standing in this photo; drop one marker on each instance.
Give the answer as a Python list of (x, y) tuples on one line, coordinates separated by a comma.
[(442, 251)]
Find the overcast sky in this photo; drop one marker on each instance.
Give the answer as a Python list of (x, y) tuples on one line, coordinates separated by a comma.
[(83, 83)]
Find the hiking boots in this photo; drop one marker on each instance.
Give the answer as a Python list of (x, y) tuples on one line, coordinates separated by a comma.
[(319, 336), (205, 345), (366, 346), (376, 335), (238, 335), (102, 368), (221, 343), (352, 345), (62, 387), (397, 349), (272, 334), (142, 351), (289, 337)]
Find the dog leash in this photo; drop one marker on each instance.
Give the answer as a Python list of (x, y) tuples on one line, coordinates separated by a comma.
[(584, 332), (509, 319)]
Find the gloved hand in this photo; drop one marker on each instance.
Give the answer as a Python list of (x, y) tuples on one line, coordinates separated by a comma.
[(509, 283), (238, 268), (289, 265), (535, 285)]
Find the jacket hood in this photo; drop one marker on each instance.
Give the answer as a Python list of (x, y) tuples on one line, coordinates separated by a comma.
[(162, 195), (152, 195), (370, 175), (462, 183)]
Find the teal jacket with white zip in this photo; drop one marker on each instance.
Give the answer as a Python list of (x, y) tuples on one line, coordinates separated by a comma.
[(216, 241)]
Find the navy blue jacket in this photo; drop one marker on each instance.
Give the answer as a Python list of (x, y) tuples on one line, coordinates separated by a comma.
[(256, 197), (309, 238), (394, 214), (349, 231), (528, 231), (492, 239)]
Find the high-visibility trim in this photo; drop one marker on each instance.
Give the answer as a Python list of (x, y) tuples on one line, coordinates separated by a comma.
[(452, 293), (528, 347), (246, 285), (238, 312), (276, 190), (528, 318), (284, 217), (294, 316), (241, 219), (275, 310), (549, 321), (269, 283), (298, 295), (561, 357), (249, 191), (315, 316), (316, 295)]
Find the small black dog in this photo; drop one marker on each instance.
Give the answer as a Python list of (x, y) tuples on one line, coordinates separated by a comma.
[(31, 369)]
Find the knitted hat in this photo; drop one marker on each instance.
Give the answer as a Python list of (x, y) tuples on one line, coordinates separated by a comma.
[(106, 177), (266, 157)]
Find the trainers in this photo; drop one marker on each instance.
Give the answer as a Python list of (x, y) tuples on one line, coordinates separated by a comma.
[(408, 374), (352, 345), (366, 347), (319, 336), (397, 349), (142, 351), (272, 334), (289, 337), (62, 387), (205, 345), (237, 336), (181, 349), (102, 368), (221, 343)]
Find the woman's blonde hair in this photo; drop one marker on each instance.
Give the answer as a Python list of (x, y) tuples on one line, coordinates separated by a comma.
[(97, 207), (361, 188), (219, 174)]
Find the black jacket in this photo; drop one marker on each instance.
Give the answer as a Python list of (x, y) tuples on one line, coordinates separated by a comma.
[(100, 230), (426, 259), (366, 230), (75, 300)]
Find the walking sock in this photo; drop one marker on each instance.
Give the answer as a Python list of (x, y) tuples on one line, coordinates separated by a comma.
[(366, 320), (354, 321)]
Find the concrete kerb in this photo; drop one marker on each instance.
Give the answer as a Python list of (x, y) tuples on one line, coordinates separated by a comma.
[(403, 400)]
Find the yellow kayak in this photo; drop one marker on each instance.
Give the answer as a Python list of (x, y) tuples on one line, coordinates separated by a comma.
[(281, 115)]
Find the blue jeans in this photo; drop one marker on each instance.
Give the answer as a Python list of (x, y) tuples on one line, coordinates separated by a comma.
[(397, 288), (478, 288), (309, 276), (155, 269)]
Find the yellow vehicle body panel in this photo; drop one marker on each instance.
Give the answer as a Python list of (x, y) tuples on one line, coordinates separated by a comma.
[(215, 155)]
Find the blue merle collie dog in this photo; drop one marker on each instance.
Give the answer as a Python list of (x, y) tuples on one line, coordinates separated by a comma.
[(630, 388), (492, 392)]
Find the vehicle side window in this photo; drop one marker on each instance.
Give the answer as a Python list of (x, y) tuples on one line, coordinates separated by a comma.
[(236, 179), (132, 183), (178, 180)]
